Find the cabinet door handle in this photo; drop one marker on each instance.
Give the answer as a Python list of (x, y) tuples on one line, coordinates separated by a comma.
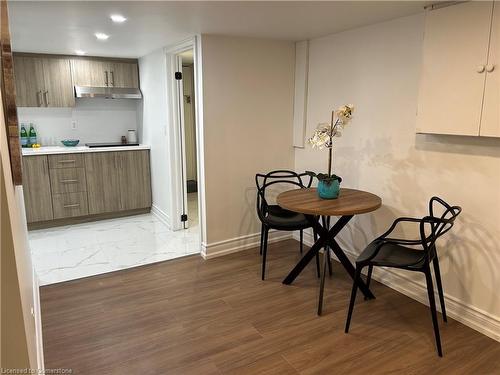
[(68, 181), (106, 78), (480, 68), (112, 78), (490, 68), (71, 205), (39, 97), (67, 161), (46, 98)]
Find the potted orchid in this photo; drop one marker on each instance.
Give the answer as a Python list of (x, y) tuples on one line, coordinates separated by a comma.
[(328, 183)]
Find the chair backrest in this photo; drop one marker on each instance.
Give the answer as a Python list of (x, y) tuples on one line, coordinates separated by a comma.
[(439, 224), (282, 177)]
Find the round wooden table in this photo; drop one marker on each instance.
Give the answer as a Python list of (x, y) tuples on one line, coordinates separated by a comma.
[(349, 203)]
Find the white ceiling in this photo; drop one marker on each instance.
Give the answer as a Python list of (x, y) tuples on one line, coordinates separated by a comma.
[(63, 26)]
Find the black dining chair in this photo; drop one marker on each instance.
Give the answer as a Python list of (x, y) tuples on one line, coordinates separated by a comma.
[(395, 252), (273, 216)]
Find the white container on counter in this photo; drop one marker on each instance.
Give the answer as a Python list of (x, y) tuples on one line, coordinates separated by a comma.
[(132, 136)]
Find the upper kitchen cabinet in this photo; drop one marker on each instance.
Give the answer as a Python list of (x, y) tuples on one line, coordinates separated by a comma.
[(490, 121), (28, 72), (456, 69), (90, 72), (101, 73), (58, 84), (124, 74), (43, 81)]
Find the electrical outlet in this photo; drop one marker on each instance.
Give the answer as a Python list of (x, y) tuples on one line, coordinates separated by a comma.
[(73, 124)]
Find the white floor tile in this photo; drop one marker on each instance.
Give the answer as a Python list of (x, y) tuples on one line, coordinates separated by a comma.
[(76, 251)]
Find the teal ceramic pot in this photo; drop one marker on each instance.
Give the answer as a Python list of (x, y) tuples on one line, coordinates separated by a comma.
[(328, 189)]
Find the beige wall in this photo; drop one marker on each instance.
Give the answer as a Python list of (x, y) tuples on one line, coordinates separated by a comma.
[(377, 68), (248, 107), (13, 342), (19, 338)]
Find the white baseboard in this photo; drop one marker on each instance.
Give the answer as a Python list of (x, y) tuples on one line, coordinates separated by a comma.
[(161, 215), (217, 249), (467, 314)]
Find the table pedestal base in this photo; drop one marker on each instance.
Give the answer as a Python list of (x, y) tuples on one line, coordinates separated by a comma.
[(327, 240)]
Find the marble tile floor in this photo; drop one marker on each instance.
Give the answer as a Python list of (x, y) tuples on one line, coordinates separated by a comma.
[(81, 250)]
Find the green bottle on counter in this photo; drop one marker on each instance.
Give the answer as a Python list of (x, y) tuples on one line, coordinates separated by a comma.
[(24, 136), (32, 135)]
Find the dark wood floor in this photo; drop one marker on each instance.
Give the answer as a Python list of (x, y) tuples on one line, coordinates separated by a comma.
[(190, 316)]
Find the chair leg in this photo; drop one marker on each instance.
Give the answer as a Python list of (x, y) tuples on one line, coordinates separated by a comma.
[(357, 277), (437, 274), (264, 252), (261, 237), (322, 284), (369, 277), (317, 265), (432, 305), (301, 240)]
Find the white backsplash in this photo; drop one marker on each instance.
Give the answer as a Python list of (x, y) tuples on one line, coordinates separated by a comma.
[(97, 120)]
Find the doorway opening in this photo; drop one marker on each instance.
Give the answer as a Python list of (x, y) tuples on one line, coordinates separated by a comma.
[(187, 188), (190, 216)]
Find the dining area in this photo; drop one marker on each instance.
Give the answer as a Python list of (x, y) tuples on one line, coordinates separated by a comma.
[(287, 201)]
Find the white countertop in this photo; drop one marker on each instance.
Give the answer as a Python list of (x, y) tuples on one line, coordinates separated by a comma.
[(50, 150)]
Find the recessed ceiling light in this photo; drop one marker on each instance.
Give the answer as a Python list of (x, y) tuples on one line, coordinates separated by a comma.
[(118, 18), (80, 52), (101, 36)]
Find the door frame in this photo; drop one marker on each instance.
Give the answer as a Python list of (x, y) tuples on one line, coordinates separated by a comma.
[(175, 139)]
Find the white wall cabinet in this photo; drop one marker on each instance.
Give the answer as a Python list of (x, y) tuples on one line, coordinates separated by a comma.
[(459, 88), (490, 121)]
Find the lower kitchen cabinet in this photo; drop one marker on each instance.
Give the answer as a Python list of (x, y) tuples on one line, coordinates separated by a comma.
[(118, 181), (36, 188), (103, 182), (135, 186), (78, 185), (70, 205)]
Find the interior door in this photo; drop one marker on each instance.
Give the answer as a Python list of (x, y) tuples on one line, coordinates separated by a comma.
[(103, 182), (452, 78), (182, 132), (58, 85), (490, 120)]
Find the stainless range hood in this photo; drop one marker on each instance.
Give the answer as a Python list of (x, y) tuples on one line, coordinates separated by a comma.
[(107, 92)]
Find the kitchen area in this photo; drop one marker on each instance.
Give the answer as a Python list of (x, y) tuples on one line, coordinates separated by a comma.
[(87, 176)]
